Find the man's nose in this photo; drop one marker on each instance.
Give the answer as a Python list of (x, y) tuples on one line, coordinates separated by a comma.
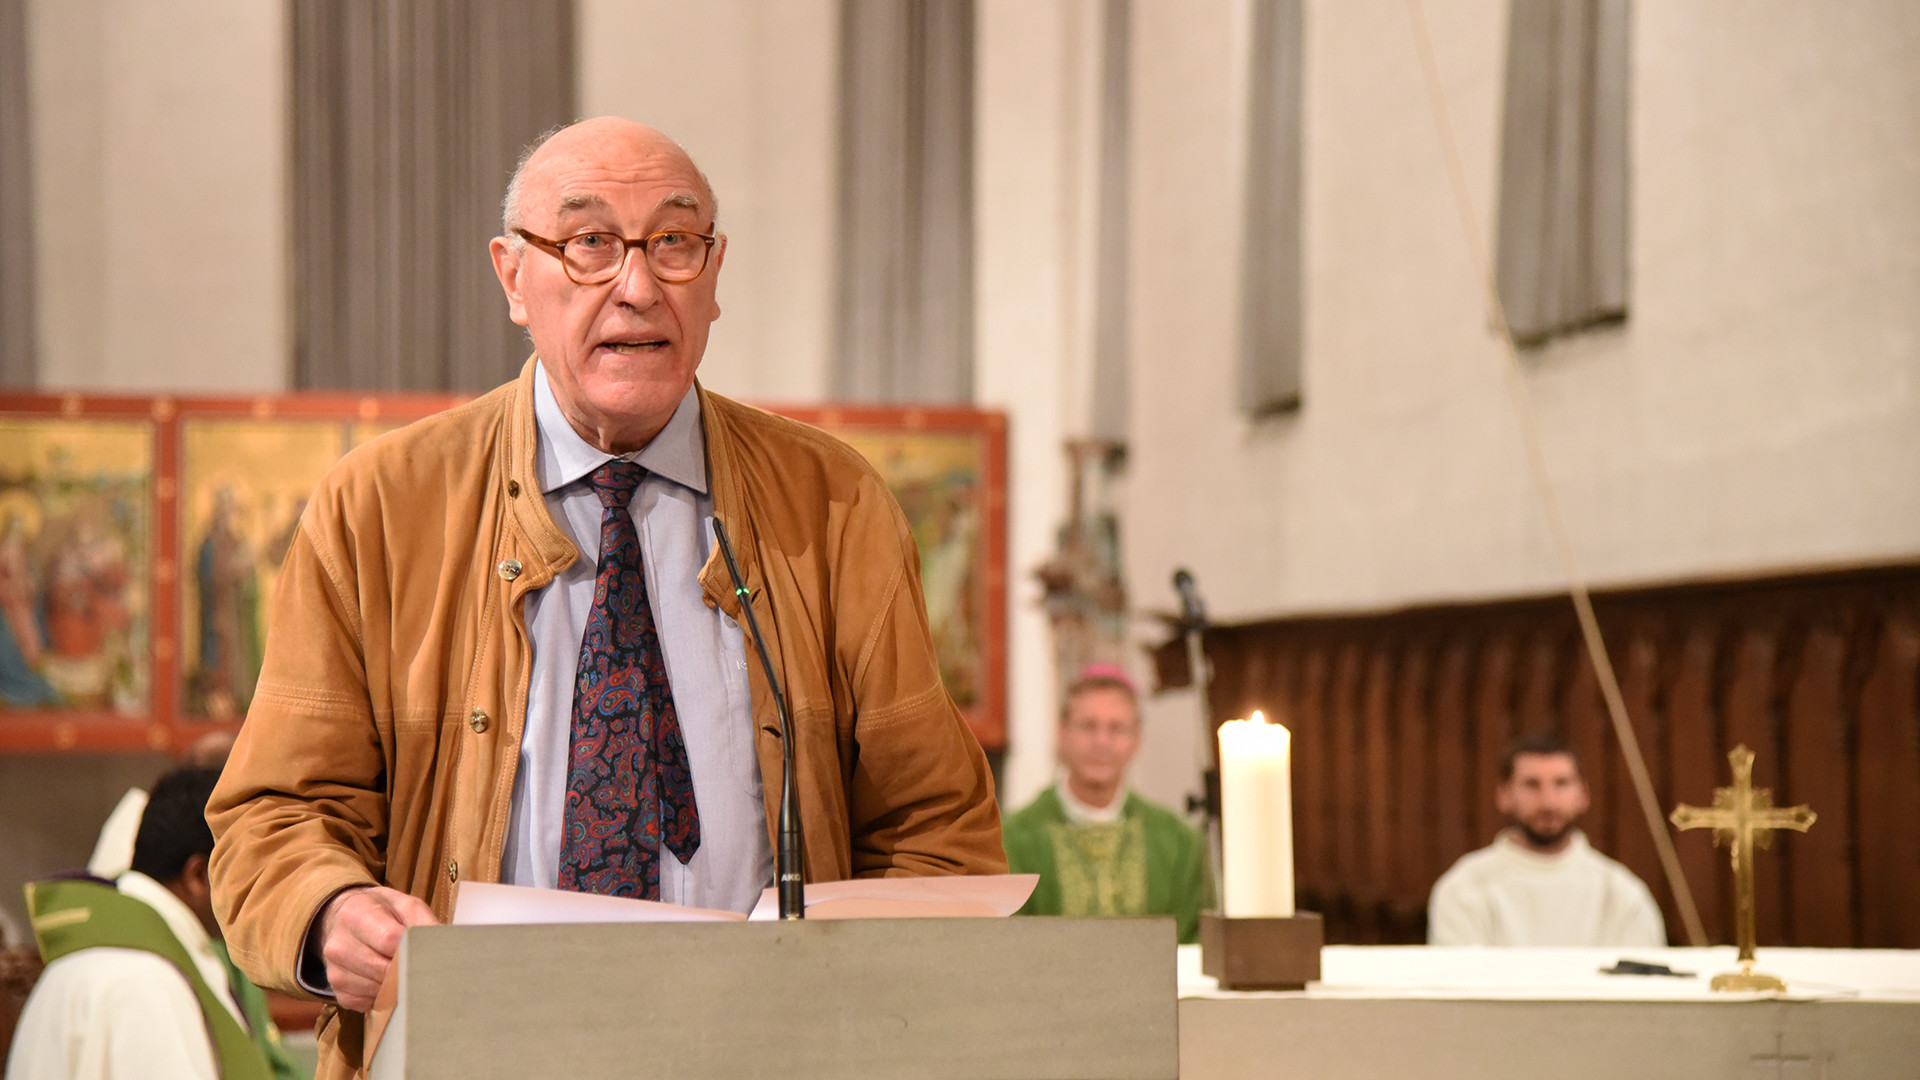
[(636, 286)]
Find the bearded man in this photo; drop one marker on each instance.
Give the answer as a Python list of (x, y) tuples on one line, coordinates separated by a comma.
[(1540, 882)]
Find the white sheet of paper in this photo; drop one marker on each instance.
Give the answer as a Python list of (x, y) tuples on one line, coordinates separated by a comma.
[(987, 895), (483, 903)]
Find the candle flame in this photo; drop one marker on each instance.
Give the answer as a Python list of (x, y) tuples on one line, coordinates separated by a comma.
[(1259, 717)]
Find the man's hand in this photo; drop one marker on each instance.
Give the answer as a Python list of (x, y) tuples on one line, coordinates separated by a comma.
[(360, 932)]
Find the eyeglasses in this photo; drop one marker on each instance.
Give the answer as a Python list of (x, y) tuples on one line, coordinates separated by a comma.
[(595, 258)]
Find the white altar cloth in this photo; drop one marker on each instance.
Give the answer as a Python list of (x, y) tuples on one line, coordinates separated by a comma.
[(1491, 1014), (1497, 974)]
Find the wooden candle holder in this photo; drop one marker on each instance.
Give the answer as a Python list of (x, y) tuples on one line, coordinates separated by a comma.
[(1262, 954)]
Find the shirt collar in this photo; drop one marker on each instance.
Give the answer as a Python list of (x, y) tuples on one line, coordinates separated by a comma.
[(180, 919), (678, 453), (1080, 813)]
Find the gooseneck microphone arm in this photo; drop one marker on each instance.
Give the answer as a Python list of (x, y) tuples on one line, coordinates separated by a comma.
[(788, 866)]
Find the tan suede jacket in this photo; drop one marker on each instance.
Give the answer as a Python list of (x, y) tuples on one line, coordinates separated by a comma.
[(381, 744)]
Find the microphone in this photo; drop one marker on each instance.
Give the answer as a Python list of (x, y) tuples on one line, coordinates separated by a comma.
[(787, 865), (1192, 612)]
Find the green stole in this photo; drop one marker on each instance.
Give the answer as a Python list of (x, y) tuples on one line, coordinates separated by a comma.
[(72, 915), (1102, 866), (253, 1005)]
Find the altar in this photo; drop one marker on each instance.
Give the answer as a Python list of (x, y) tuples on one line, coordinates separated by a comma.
[(1489, 1014)]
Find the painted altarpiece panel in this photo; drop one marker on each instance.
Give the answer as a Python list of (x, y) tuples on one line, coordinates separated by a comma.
[(140, 538)]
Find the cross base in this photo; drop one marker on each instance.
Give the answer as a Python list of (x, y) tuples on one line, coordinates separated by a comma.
[(1746, 980)]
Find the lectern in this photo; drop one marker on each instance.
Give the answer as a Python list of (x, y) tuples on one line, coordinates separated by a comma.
[(952, 999)]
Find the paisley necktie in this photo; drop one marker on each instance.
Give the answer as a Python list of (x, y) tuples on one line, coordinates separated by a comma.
[(629, 791)]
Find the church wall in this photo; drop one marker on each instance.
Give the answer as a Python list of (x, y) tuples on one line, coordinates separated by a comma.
[(1032, 116), (1756, 413), (159, 138)]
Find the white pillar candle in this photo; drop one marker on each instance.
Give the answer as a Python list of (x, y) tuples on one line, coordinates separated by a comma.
[(1256, 819)]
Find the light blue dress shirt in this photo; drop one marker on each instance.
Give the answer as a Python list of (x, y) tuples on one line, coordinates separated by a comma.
[(705, 655)]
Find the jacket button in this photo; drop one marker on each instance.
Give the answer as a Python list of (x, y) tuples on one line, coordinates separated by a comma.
[(453, 871), (478, 721), (509, 569), (513, 489)]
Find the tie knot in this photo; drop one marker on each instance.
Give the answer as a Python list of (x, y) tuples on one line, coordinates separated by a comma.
[(614, 482)]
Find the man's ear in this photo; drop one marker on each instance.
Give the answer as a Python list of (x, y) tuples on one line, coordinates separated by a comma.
[(719, 260), (193, 874), (506, 266)]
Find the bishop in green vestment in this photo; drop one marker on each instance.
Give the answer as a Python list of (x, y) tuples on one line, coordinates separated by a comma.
[(1099, 848)]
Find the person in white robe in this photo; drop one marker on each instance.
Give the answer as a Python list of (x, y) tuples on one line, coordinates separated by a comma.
[(105, 1013), (1540, 882), (138, 983)]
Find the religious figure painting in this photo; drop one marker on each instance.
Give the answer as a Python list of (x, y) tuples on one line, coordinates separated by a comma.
[(244, 485), (74, 600), (141, 537)]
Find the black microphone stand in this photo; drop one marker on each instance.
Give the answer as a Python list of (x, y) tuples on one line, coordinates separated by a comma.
[(788, 872), (1193, 627)]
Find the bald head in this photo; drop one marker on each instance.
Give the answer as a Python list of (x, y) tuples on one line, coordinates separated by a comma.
[(603, 137), (620, 351)]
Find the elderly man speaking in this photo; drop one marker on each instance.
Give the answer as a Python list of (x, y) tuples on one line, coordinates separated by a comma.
[(505, 647)]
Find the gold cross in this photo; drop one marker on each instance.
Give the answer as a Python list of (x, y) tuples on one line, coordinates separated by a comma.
[(1743, 817)]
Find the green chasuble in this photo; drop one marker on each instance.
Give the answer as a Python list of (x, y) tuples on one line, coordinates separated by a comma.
[(1149, 862), (71, 915)]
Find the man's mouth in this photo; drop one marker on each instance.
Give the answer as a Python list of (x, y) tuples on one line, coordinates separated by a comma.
[(1548, 826), (638, 345)]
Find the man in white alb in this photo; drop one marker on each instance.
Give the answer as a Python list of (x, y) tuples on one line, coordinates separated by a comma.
[(1540, 882)]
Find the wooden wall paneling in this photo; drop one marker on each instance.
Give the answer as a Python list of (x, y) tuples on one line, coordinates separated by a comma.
[(1282, 697), (1453, 806), (1377, 734), (1887, 795), (1866, 623), (1695, 760), (1313, 787), (1749, 718), (1816, 770), (1253, 689), (1635, 646), (1349, 800), (1493, 728), (1401, 718), (1584, 714), (1542, 666), (1413, 865), (1228, 654)]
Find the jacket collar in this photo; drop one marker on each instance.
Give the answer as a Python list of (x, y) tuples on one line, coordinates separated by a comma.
[(729, 507)]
